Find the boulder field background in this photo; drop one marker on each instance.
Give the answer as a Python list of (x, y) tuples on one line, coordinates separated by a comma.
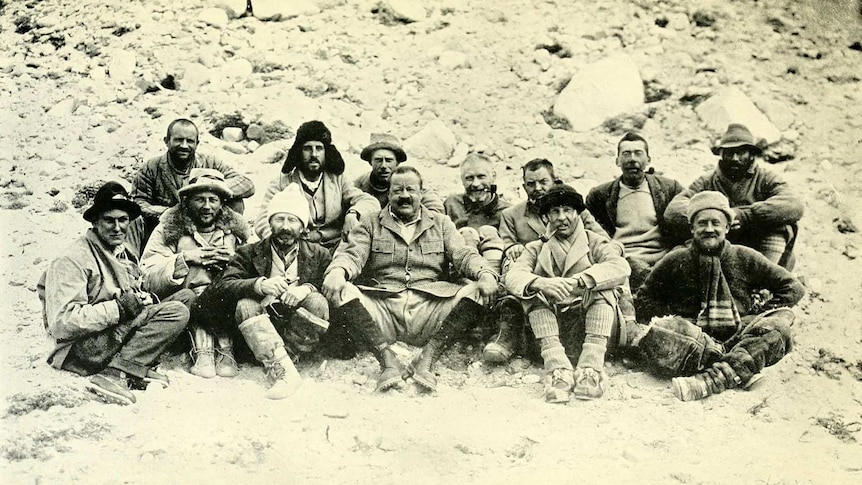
[(87, 89)]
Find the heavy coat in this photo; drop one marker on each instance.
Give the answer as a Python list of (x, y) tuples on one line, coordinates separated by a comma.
[(163, 265), (78, 292), (602, 202), (376, 257), (331, 201), (429, 199), (465, 214), (520, 224)]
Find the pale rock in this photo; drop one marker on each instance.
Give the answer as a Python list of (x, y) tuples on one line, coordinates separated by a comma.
[(48, 21), (234, 147), (453, 60), (252, 145), (6, 64), (64, 108), (235, 70), (405, 10), (459, 156), (677, 21), (121, 65), (232, 134), (531, 379), (195, 76), (434, 142), (270, 153), (602, 90), (254, 132), (282, 9), (731, 105), (233, 8), (825, 165), (522, 143), (217, 17)]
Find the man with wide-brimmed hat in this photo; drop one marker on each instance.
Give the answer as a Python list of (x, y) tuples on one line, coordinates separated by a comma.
[(191, 245), (384, 153), (95, 309), (574, 277), (315, 164), (270, 292), (765, 208), (728, 306)]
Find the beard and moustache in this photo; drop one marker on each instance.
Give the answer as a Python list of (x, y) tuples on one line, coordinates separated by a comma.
[(285, 238), (735, 170), (480, 194)]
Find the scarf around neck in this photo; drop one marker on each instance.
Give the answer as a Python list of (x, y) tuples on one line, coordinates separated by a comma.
[(718, 314)]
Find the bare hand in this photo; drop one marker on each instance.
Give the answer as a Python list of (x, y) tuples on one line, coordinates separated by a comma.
[(333, 284), (554, 289), (514, 252), (207, 256), (350, 221), (487, 288), (274, 286), (295, 295)]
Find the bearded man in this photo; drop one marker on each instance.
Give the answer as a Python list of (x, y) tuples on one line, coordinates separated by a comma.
[(191, 245), (335, 205), (269, 291)]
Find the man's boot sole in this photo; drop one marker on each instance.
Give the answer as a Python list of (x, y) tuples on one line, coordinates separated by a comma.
[(495, 354), (388, 383), (110, 397)]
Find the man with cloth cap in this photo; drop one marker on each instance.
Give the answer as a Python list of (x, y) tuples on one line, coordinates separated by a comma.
[(191, 245), (765, 209), (576, 276), (384, 153), (270, 292), (729, 307), (335, 206), (95, 309)]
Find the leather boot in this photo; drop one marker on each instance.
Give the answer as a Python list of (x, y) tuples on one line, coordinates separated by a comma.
[(225, 363), (202, 354), (391, 370), (268, 348), (501, 347), (422, 368)]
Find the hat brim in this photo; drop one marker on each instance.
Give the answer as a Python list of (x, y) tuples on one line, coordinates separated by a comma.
[(400, 155), (716, 150), (132, 208), (219, 189), (559, 198)]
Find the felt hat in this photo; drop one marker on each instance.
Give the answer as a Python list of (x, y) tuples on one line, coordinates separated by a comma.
[(737, 135), (558, 195), (111, 196), (382, 141), (709, 199), (290, 201), (208, 179)]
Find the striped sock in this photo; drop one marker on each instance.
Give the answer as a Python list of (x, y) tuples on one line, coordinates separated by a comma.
[(554, 354), (544, 322)]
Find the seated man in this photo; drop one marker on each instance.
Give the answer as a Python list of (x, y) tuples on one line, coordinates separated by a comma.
[(270, 290), (384, 153), (765, 208), (716, 292), (631, 208), (396, 261), (316, 166), (156, 185), (93, 306), (576, 270), (188, 249)]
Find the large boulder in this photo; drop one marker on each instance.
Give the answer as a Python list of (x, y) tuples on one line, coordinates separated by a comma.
[(216, 17), (600, 91), (731, 105), (435, 142), (121, 65), (283, 9)]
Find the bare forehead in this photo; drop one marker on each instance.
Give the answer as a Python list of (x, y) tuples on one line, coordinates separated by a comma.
[(537, 174), (383, 153), (184, 130), (404, 178), (477, 166), (632, 145)]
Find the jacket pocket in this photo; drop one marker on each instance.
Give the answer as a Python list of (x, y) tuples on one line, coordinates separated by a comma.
[(382, 252), (431, 247)]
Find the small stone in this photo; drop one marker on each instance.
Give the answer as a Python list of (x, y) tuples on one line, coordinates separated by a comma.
[(234, 147), (231, 133), (453, 60), (336, 413), (825, 165), (254, 132), (63, 108), (522, 143), (283, 10), (217, 17), (252, 145), (677, 21), (405, 10), (531, 379)]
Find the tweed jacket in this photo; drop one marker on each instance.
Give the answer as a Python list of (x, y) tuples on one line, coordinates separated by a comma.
[(377, 258), (333, 198), (165, 270), (520, 224), (674, 286), (156, 185), (602, 202), (463, 214), (252, 262), (78, 293), (429, 199)]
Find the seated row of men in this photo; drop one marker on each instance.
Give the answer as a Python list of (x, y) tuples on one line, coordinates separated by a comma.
[(333, 269)]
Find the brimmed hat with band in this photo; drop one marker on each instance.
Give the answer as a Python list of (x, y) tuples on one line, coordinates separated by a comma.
[(382, 141), (111, 196), (208, 179), (558, 195), (737, 135)]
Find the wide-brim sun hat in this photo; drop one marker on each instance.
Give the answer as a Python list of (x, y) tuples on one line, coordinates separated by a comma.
[(382, 141), (112, 196), (206, 179)]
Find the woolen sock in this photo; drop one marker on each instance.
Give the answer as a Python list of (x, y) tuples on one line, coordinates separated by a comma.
[(593, 352), (554, 355), (599, 319), (544, 323)]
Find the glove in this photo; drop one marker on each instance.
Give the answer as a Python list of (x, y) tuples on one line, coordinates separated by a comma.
[(130, 306)]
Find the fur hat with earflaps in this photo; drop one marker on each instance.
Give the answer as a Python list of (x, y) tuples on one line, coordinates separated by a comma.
[(314, 131)]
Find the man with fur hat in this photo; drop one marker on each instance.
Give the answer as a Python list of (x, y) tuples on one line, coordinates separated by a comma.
[(270, 292), (576, 275), (93, 306), (191, 245), (156, 185), (729, 306), (315, 164), (765, 208), (384, 153), (387, 282), (631, 208)]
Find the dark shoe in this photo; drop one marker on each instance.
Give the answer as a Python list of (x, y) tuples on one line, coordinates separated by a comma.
[(392, 371), (422, 367), (500, 348), (588, 384), (558, 386), (112, 386), (141, 383)]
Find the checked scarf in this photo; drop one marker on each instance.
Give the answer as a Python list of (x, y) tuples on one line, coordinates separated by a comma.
[(718, 314)]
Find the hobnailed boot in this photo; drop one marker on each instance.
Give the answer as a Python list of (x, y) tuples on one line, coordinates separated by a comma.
[(422, 367), (392, 370), (500, 349), (714, 380), (268, 348), (202, 354), (225, 363)]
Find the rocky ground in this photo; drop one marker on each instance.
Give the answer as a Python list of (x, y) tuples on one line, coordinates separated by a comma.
[(87, 89)]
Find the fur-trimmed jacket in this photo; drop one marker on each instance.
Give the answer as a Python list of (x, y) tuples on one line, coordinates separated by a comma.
[(165, 269)]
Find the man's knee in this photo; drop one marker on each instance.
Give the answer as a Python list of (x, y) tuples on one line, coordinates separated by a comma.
[(674, 345), (317, 304), (185, 296), (247, 308), (348, 292), (172, 315)]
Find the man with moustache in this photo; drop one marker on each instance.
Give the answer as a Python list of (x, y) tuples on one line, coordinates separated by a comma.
[(765, 208), (191, 245), (384, 153), (387, 282), (102, 321), (729, 307), (156, 185), (335, 205), (269, 291), (631, 208)]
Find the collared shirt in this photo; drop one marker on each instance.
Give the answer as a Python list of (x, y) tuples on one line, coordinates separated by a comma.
[(407, 229), (310, 186)]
